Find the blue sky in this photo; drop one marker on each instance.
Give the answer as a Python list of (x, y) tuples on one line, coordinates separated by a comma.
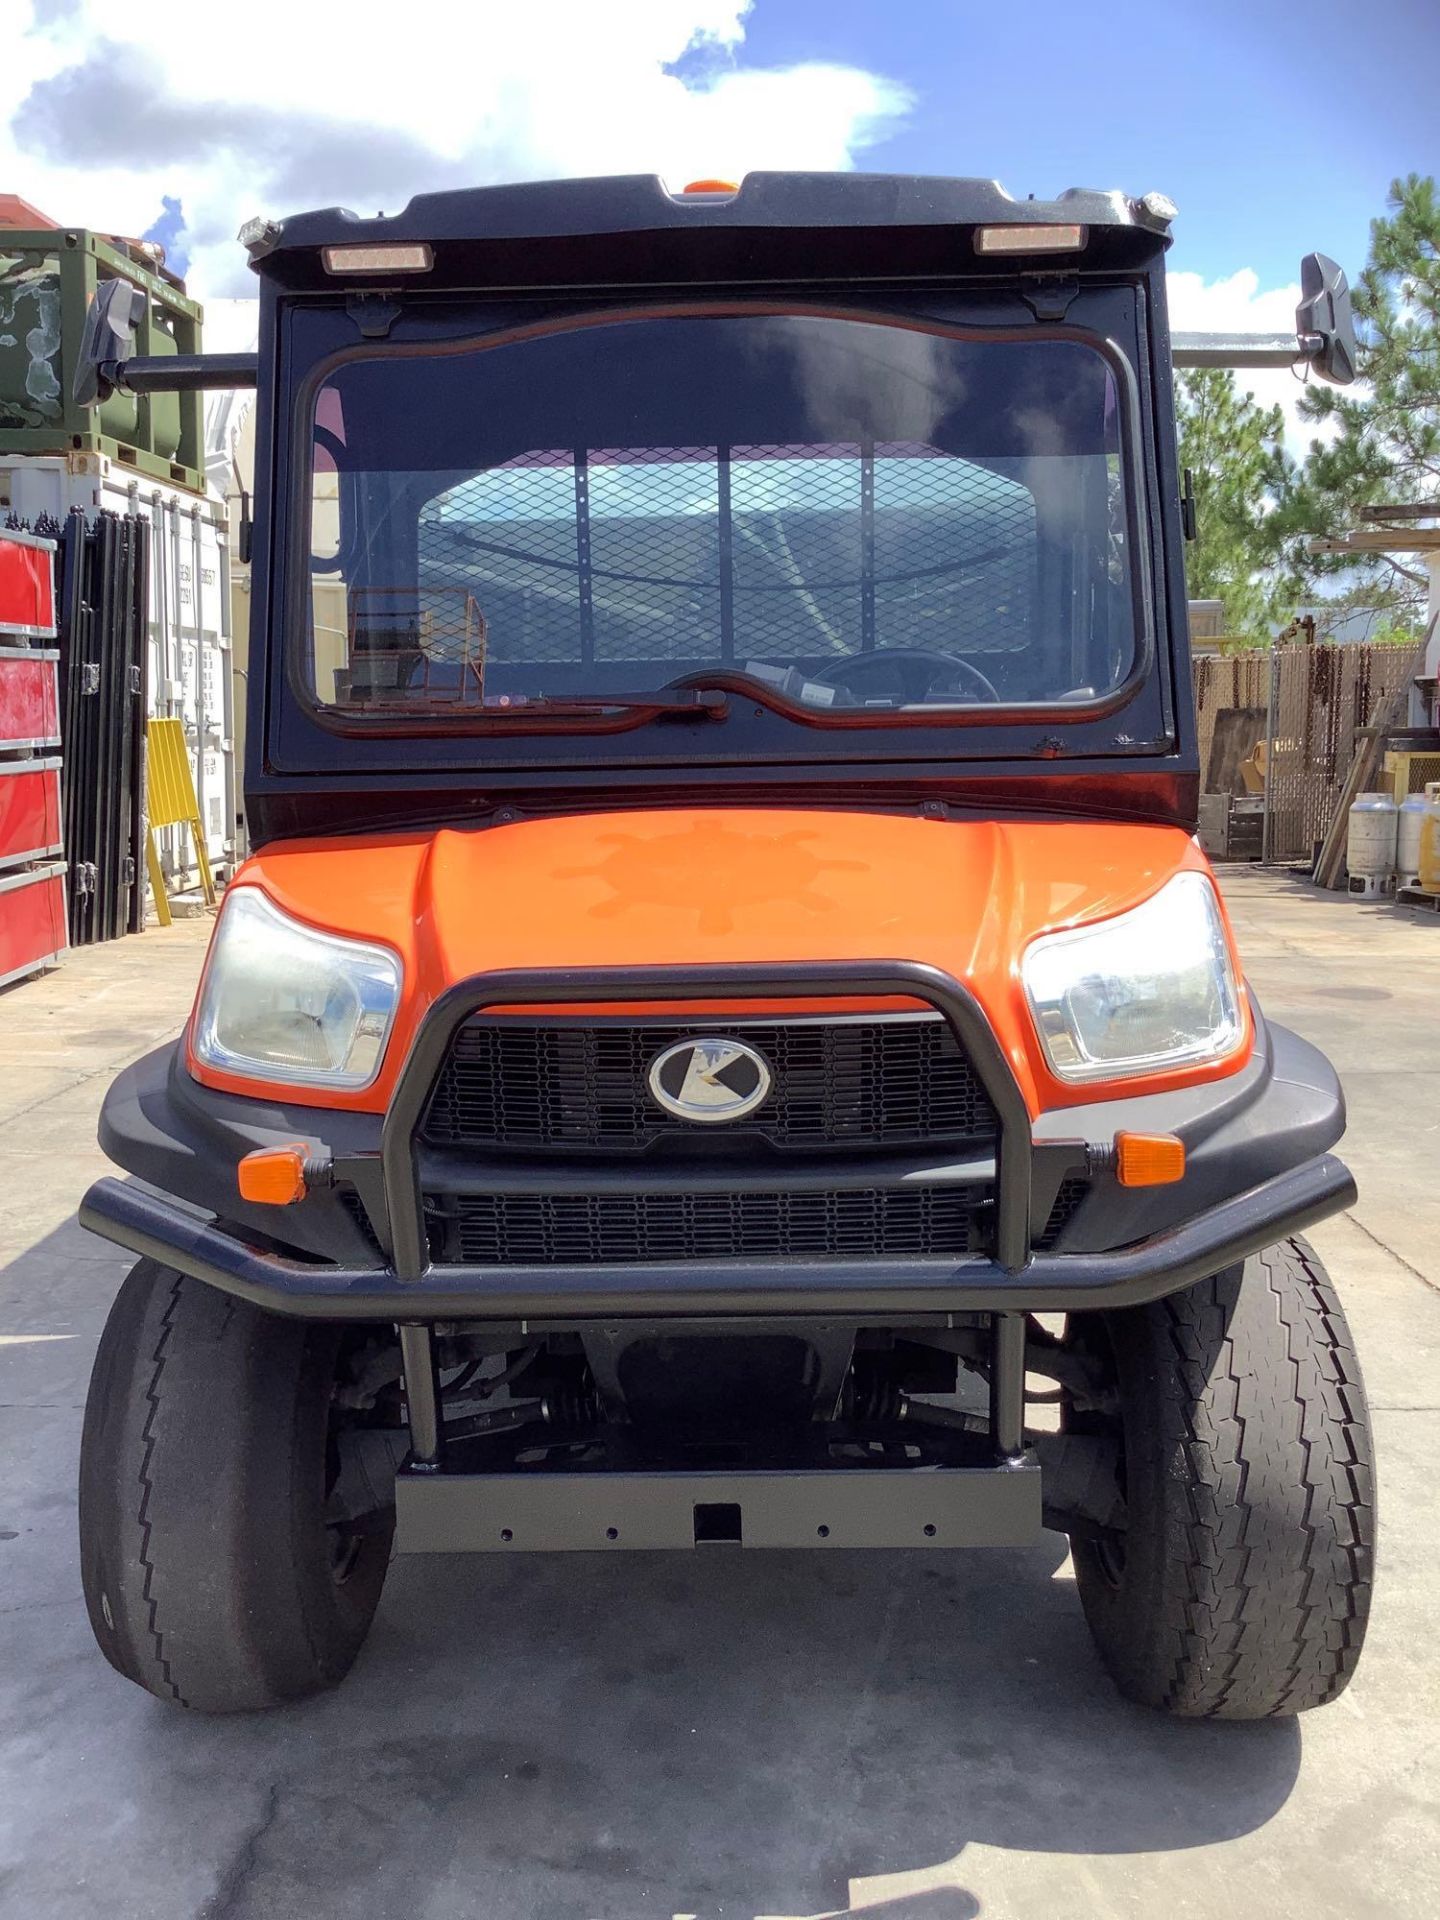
[(1275, 126)]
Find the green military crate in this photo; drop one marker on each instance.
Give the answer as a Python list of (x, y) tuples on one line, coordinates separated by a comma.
[(47, 278)]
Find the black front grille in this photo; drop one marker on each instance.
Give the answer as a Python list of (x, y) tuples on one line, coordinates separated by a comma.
[(547, 1229), (1073, 1190), (352, 1204), (861, 1082)]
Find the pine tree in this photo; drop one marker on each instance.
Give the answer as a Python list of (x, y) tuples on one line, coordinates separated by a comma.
[(1236, 454), (1382, 444)]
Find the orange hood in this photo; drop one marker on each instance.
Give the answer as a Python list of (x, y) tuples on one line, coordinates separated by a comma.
[(717, 887)]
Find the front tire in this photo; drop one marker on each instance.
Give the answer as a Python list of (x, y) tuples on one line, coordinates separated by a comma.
[(211, 1577), (1240, 1588)]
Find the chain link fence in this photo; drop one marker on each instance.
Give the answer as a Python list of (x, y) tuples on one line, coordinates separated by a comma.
[(1298, 733)]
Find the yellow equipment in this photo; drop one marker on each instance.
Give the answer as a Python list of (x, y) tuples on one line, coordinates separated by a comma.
[(170, 802), (1409, 773)]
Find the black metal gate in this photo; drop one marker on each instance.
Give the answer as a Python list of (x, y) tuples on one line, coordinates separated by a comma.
[(102, 594)]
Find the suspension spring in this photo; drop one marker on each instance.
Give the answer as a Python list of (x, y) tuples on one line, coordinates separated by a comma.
[(571, 1404), (872, 1399)]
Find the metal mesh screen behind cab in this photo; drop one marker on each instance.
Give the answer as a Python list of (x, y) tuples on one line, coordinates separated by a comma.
[(806, 553)]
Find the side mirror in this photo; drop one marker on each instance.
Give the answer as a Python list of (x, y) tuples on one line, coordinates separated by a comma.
[(109, 338), (1323, 319)]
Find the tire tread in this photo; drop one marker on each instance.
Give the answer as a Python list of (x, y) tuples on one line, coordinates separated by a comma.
[(147, 1491), (1258, 1473), (203, 1551)]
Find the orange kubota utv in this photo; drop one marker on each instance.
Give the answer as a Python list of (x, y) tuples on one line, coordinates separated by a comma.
[(726, 1013)]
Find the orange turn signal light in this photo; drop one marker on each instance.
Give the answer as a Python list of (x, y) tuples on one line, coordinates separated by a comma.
[(1149, 1159), (711, 186), (273, 1176)]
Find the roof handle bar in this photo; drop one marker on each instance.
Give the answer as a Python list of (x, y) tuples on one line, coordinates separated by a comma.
[(106, 363), (1324, 336)]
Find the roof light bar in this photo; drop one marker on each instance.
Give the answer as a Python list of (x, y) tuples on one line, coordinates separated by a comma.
[(1036, 239), (258, 236), (414, 259)]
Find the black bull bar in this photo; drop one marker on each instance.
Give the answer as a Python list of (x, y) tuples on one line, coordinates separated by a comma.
[(408, 1288)]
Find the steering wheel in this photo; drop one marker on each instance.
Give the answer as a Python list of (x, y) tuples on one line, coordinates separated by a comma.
[(913, 688)]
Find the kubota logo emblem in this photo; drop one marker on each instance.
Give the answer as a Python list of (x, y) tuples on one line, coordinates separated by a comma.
[(709, 1079)]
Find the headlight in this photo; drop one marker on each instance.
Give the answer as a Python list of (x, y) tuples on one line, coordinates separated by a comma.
[(1150, 989), (282, 1001)]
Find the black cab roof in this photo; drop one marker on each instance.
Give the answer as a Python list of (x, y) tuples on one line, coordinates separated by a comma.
[(773, 225)]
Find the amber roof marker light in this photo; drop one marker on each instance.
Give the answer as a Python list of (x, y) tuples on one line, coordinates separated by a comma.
[(711, 187)]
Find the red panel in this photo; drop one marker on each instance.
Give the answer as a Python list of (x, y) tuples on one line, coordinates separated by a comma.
[(29, 811), (32, 920), (27, 587), (29, 698)]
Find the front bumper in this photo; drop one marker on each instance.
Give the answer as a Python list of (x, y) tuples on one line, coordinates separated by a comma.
[(173, 1234), (1257, 1171)]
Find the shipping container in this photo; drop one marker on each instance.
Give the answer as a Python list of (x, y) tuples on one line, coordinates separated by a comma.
[(47, 280), (191, 670)]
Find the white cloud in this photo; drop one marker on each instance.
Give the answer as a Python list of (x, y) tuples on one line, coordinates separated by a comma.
[(1239, 304), (290, 104)]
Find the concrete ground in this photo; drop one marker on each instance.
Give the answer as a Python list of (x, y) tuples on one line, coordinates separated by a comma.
[(597, 1739)]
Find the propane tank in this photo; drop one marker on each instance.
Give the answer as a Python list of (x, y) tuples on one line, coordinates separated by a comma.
[(1430, 840), (1413, 809), (1370, 844)]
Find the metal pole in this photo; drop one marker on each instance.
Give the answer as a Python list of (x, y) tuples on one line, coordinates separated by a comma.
[(726, 532), (197, 566), (582, 555), (422, 1397), (175, 844), (228, 671), (139, 707), (1269, 788), (867, 547), (1007, 1385)]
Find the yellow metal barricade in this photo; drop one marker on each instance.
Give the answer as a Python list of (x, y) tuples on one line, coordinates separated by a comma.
[(170, 802)]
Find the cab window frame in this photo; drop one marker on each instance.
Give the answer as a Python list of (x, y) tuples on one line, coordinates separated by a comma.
[(1140, 530)]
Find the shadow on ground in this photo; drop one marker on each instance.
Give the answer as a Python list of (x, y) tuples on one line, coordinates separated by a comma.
[(578, 1737)]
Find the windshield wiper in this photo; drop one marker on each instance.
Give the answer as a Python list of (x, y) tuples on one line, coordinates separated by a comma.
[(685, 703), (789, 693)]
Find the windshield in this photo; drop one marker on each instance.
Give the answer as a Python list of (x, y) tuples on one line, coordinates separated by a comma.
[(865, 519)]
